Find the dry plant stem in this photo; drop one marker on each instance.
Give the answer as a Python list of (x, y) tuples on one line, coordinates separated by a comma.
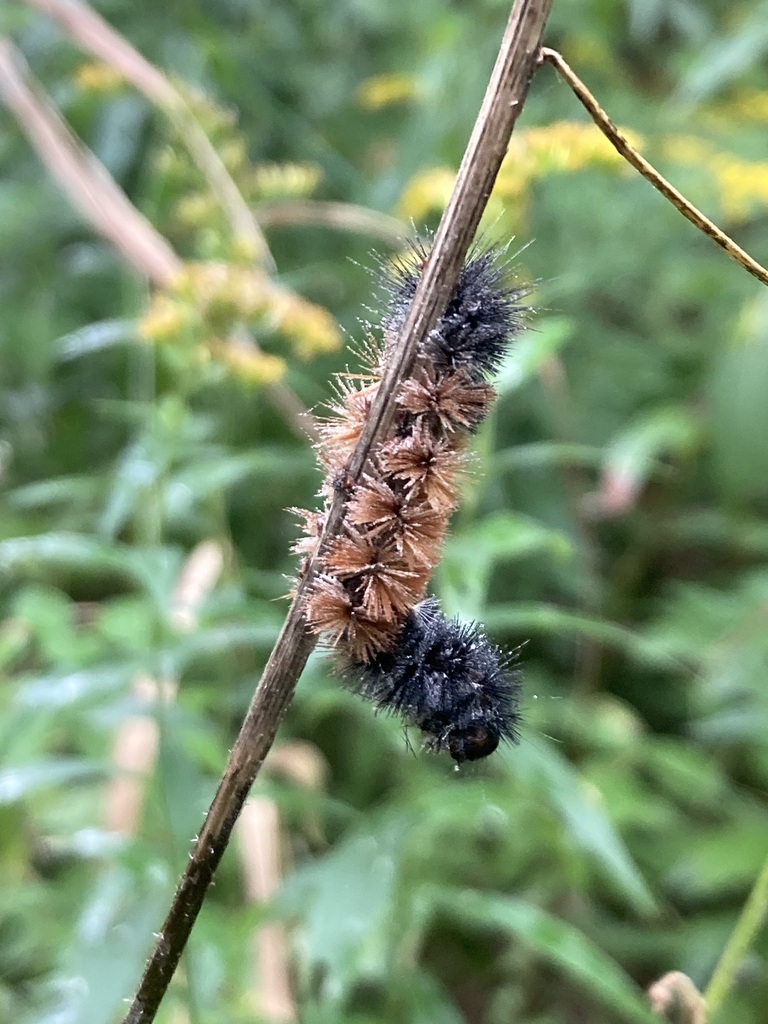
[(630, 154), (747, 927), (503, 102), (94, 34), (341, 216), (94, 192), (82, 177)]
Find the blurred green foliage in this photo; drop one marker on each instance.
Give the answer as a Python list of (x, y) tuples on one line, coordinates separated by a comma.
[(615, 523)]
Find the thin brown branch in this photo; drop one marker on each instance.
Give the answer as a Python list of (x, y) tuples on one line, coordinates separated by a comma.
[(95, 193), (341, 216), (95, 35), (84, 178), (503, 102), (660, 183)]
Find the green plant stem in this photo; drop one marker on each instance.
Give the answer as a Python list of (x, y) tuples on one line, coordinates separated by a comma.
[(748, 925)]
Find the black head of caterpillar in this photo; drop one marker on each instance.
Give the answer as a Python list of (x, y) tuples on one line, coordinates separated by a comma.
[(448, 679), (482, 315)]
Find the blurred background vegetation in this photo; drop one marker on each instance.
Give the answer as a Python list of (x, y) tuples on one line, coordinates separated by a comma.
[(151, 379)]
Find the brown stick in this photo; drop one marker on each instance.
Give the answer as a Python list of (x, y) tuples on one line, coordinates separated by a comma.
[(630, 154), (95, 193), (341, 216), (501, 106), (92, 33), (84, 178)]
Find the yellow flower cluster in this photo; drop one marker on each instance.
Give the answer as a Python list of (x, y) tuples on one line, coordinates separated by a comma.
[(687, 150), (426, 192), (214, 118), (564, 146), (168, 320), (745, 104), (98, 77), (198, 209), (281, 181), (246, 362), (742, 185), (210, 301), (386, 90), (554, 148), (309, 328)]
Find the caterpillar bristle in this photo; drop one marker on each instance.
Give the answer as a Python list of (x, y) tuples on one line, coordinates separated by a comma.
[(426, 467), (479, 319), (446, 402), (449, 680)]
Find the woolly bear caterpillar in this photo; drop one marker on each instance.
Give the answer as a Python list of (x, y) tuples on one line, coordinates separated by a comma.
[(397, 648)]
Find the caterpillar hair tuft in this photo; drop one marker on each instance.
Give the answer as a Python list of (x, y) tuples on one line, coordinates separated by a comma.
[(480, 318)]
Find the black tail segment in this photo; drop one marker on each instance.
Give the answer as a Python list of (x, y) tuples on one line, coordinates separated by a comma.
[(448, 679)]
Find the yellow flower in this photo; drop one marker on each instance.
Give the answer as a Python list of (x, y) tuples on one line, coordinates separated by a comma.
[(197, 209), (214, 299), (687, 149), (386, 90), (744, 104), (310, 328), (426, 192), (281, 181), (233, 155), (98, 77), (564, 146), (743, 185), (248, 363), (243, 250), (165, 319)]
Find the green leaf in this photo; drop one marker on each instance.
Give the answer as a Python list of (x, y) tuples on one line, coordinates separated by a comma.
[(556, 941), (471, 554), (580, 809), (531, 352), (113, 936), (632, 456), (538, 619), (726, 57), (25, 780), (54, 554), (346, 901), (95, 338), (62, 689), (739, 407)]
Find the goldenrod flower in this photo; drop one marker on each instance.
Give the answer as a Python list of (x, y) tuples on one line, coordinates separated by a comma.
[(283, 181), (426, 193), (386, 90), (247, 363), (98, 77)]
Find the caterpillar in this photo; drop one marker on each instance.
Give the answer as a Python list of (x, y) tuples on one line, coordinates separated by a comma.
[(395, 646)]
